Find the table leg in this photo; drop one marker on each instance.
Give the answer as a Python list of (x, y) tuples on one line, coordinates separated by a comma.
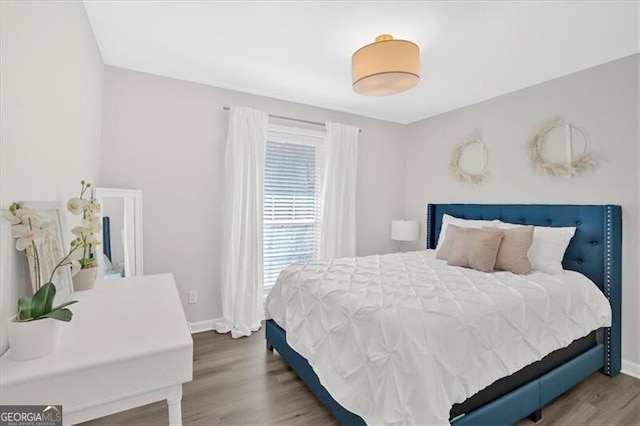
[(174, 398)]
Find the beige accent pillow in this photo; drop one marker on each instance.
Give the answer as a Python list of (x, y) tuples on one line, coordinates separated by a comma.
[(476, 248), (448, 220), (452, 234), (512, 254)]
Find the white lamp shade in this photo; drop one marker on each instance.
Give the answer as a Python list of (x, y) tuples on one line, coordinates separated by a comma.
[(405, 230), (385, 67)]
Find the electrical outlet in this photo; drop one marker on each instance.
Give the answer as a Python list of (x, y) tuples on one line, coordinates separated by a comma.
[(193, 296)]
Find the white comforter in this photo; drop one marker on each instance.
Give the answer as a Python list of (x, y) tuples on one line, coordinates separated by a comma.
[(400, 338)]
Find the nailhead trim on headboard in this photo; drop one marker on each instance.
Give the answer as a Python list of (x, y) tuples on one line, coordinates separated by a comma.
[(607, 286)]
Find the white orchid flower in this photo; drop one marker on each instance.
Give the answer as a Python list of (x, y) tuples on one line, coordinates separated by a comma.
[(25, 236), (24, 214), (94, 206), (76, 205), (10, 217), (93, 240), (81, 231), (93, 223)]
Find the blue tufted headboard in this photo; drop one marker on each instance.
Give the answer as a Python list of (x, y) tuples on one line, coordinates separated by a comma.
[(595, 250)]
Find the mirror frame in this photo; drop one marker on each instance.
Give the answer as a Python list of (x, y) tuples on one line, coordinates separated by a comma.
[(136, 194)]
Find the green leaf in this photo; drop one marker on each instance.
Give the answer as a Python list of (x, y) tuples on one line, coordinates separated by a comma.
[(51, 294), (71, 302), (24, 309), (42, 300), (60, 314)]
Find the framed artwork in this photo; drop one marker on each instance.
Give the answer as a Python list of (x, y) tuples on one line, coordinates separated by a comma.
[(51, 250)]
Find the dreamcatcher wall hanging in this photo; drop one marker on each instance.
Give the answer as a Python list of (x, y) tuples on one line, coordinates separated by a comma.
[(575, 164), (463, 175)]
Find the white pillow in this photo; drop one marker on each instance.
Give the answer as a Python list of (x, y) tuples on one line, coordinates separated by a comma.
[(548, 246), (462, 223)]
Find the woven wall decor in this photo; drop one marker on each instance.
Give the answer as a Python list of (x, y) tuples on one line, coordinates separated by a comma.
[(574, 165), (465, 176)]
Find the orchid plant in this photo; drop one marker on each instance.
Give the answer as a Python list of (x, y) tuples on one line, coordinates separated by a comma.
[(27, 228), (85, 232)]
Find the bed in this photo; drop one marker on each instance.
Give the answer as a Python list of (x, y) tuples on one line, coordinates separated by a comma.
[(594, 252)]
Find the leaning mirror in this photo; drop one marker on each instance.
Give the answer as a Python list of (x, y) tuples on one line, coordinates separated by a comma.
[(120, 254)]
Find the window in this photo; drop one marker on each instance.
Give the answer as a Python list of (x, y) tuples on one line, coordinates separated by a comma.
[(292, 181)]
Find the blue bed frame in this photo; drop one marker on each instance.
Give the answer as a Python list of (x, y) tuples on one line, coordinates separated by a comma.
[(595, 251)]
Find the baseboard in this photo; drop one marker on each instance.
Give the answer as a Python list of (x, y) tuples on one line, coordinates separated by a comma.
[(631, 369), (201, 326)]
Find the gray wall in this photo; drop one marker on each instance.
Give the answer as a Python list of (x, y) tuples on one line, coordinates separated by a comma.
[(603, 100), (52, 73), (167, 137)]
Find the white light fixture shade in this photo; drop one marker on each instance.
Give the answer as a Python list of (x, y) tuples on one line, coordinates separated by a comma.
[(405, 230), (385, 67)]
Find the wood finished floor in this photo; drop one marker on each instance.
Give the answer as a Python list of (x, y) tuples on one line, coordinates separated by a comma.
[(237, 382)]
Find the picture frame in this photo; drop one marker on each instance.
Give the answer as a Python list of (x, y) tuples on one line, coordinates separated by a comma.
[(51, 250)]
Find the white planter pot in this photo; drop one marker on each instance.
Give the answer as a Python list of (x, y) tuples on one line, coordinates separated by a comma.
[(85, 279), (33, 339)]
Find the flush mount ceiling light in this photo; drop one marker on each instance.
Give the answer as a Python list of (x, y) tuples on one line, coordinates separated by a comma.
[(385, 67)]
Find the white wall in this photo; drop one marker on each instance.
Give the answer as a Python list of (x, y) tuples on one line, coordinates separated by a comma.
[(167, 137), (603, 100), (51, 83)]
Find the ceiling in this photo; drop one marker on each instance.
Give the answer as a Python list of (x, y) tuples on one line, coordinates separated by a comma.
[(301, 51)]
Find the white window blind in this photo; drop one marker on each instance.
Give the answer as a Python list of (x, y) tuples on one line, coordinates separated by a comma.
[(292, 180)]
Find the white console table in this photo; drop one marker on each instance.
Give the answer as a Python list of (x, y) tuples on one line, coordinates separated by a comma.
[(127, 345)]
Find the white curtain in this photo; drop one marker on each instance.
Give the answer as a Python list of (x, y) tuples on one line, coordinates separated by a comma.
[(338, 226), (242, 269)]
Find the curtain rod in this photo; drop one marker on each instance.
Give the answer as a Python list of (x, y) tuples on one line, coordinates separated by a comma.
[(282, 117)]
